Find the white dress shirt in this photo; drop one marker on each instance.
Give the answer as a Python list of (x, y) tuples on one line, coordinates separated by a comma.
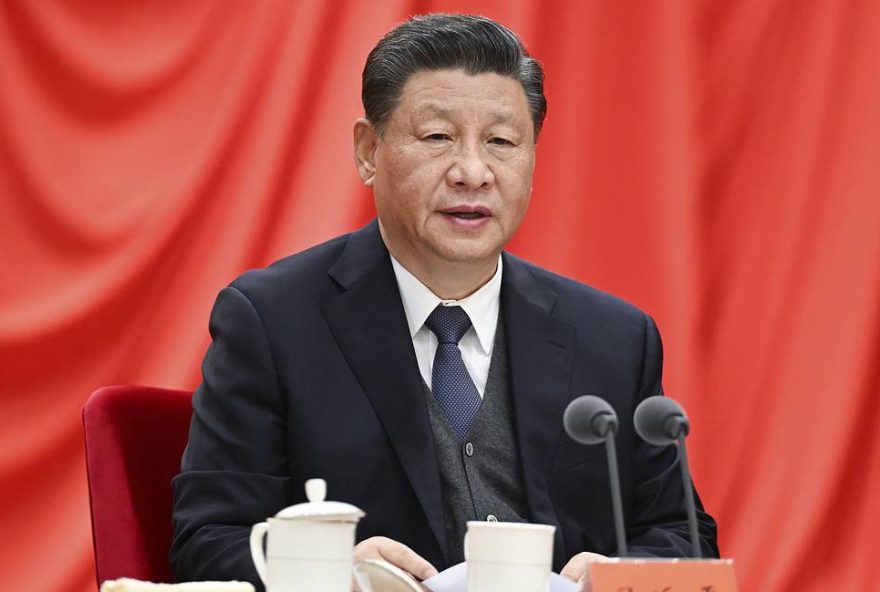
[(476, 345)]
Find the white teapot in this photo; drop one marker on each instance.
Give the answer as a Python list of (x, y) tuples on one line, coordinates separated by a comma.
[(310, 546)]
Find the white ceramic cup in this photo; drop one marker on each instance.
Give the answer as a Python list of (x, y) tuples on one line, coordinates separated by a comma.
[(508, 556), (303, 555)]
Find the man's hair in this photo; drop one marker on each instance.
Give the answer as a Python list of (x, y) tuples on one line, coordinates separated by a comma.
[(471, 43)]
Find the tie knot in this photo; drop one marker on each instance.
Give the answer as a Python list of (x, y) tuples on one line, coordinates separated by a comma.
[(448, 323)]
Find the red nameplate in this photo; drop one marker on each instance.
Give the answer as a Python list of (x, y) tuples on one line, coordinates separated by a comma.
[(675, 575)]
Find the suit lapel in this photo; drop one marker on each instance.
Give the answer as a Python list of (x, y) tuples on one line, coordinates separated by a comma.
[(540, 351), (369, 324)]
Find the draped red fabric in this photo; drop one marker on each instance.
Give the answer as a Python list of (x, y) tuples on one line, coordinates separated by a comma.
[(714, 162)]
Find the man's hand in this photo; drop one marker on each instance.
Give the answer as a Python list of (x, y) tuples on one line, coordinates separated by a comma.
[(578, 569), (395, 553)]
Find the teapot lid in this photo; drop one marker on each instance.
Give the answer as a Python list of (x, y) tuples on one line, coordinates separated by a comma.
[(319, 509)]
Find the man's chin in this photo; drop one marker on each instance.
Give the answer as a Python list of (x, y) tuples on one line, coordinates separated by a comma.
[(469, 254)]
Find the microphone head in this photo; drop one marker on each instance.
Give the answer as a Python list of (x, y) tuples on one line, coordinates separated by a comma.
[(659, 420), (588, 419)]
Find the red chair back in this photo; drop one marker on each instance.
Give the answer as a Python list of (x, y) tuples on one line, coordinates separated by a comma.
[(135, 436)]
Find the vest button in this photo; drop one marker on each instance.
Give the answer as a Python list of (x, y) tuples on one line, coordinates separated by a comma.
[(469, 449), (491, 518)]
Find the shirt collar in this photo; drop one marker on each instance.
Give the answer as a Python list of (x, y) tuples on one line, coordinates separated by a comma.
[(481, 306)]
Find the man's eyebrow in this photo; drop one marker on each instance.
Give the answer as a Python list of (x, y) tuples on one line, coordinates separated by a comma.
[(435, 110)]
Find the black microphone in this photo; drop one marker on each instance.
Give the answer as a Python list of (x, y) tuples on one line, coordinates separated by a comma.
[(661, 421), (590, 420)]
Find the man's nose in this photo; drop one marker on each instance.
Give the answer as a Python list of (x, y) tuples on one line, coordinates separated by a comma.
[(470, 170)]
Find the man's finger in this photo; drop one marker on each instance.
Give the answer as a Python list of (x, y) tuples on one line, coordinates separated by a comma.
[(406, 559), (575, 567), (578, 567)]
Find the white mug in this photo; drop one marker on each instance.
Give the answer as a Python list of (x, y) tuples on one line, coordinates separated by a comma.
[(508, 556), (304, 556), (310, 546)]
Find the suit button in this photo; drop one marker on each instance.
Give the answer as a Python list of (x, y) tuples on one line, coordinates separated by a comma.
[(469, 449), (491, 518)]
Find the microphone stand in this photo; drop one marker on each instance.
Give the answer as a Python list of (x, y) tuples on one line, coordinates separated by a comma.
[(689, 494), (615, 493)]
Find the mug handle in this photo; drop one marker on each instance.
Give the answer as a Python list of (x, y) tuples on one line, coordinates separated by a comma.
[(258, 532), (466, 554)]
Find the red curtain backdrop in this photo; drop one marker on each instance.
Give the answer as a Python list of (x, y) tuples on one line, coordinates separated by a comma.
[(717, 163)]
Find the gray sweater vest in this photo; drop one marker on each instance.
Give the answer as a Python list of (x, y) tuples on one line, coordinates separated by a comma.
[(481, 478)]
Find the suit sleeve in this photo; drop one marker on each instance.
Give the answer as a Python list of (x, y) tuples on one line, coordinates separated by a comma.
[(657, 525), (234, 470)]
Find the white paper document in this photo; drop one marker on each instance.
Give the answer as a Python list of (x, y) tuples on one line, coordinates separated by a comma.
[(454, 579)]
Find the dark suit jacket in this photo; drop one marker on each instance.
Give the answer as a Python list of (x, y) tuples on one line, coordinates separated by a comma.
[(312, 373)]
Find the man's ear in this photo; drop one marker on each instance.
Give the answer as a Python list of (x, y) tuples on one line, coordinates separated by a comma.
[(366, 141)]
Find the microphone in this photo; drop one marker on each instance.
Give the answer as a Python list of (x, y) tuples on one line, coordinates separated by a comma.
[(590, 420), (661, 421)]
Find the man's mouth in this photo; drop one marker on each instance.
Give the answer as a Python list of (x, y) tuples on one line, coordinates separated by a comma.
[(469, 213)]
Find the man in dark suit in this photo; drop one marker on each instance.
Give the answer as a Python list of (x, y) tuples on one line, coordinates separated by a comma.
[(412, 364)]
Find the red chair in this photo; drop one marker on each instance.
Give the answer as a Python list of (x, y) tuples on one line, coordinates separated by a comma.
[(135, 436)]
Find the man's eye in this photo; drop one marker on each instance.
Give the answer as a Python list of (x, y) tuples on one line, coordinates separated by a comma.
[(500, 141), (437, 137)]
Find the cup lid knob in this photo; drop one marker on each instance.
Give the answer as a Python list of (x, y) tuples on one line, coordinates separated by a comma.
[(316, 490)]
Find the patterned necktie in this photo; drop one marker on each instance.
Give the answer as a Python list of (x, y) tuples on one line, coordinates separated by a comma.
[(450, 381)]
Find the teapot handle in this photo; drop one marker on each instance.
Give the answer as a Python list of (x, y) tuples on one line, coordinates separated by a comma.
[(258, 532)]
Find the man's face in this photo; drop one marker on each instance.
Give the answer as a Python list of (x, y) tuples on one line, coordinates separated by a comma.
[(453, 170)]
